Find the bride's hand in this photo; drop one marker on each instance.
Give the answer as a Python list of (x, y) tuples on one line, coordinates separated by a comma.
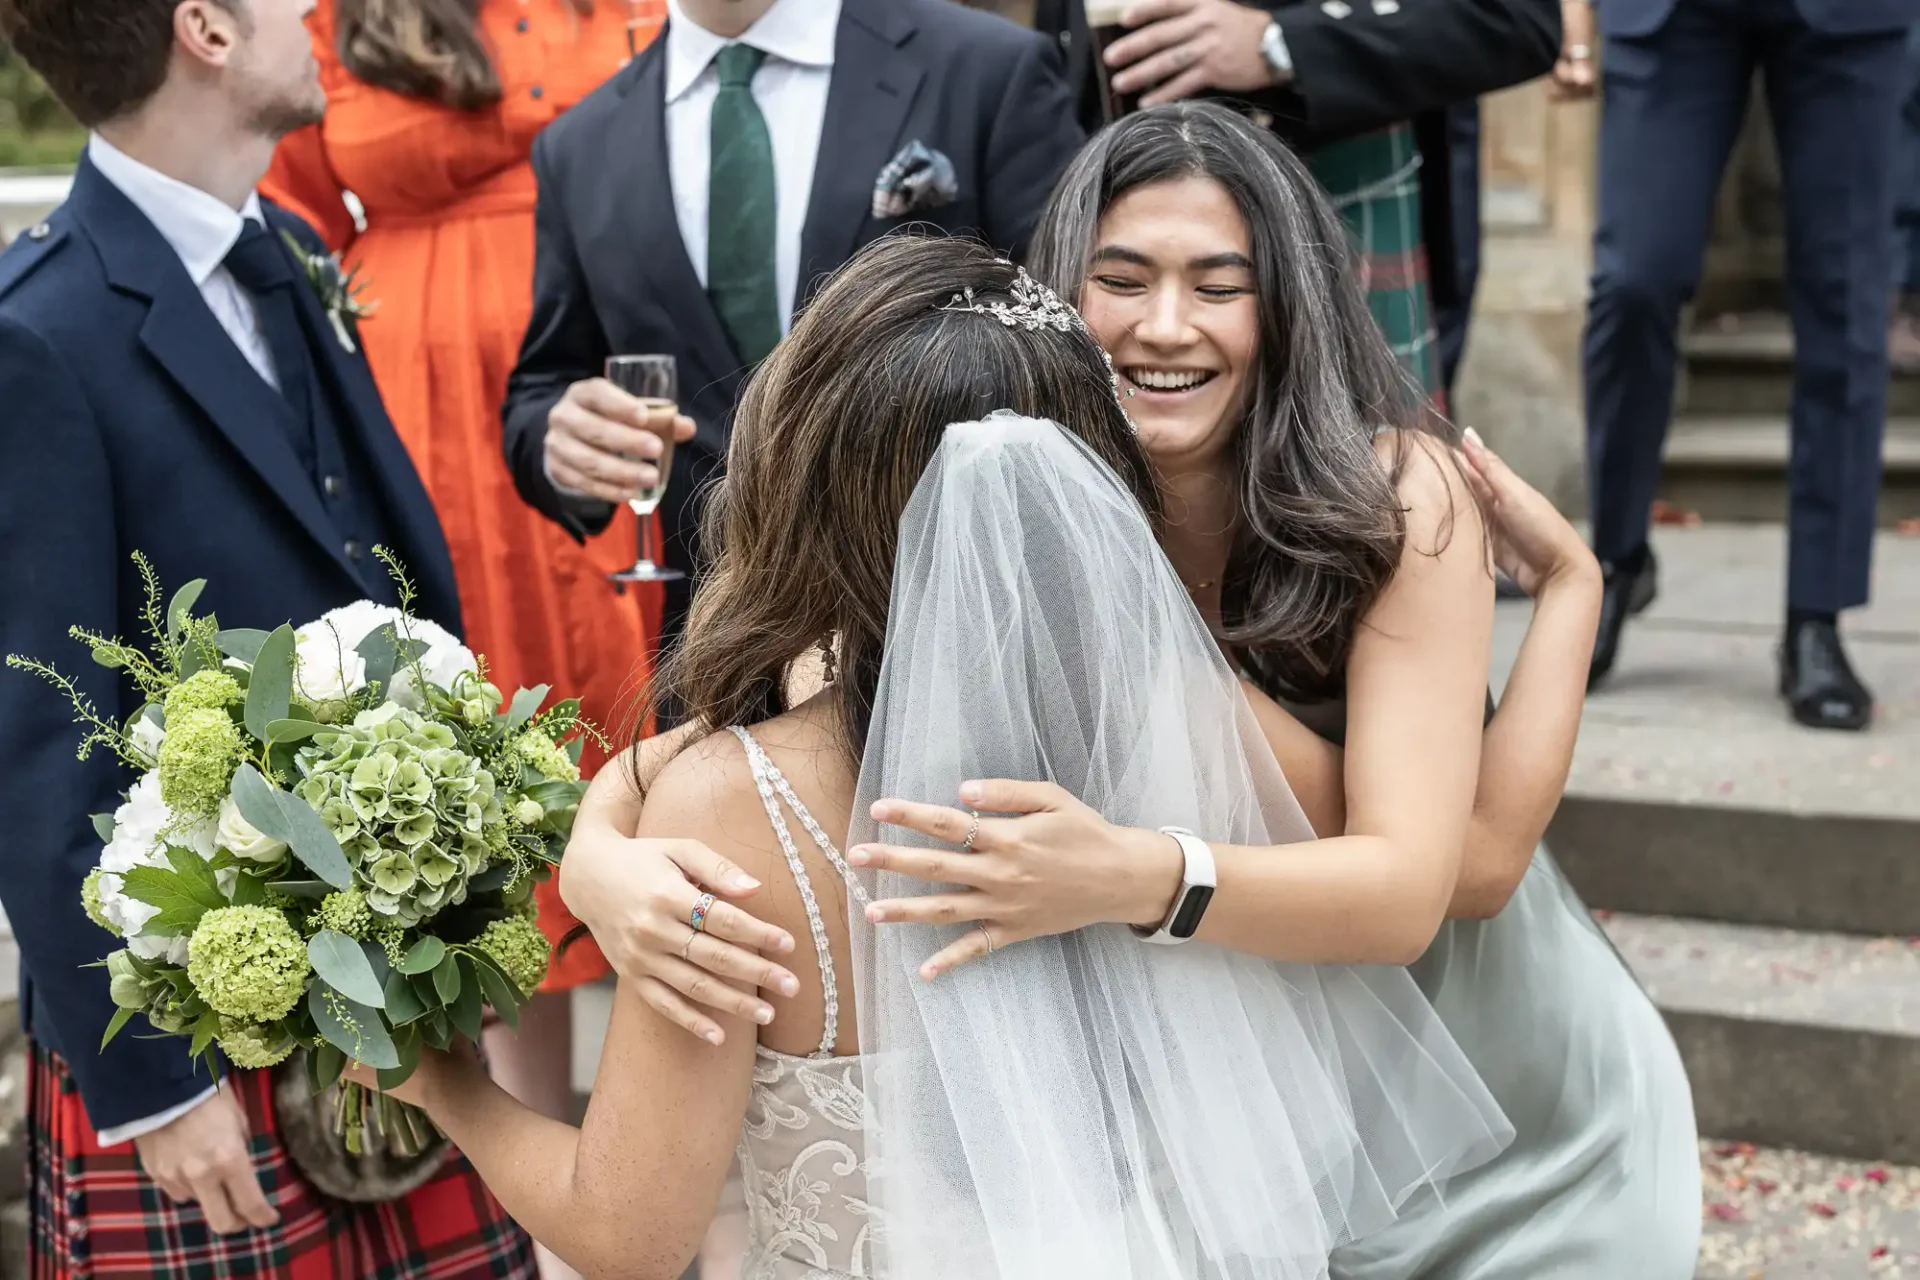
[(422, 1088), (637, 898), (1056, 867)]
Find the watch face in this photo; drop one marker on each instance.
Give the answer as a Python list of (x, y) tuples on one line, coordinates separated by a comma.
[(1186, 921)]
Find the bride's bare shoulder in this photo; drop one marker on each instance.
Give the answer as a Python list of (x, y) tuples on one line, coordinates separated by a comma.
[(707, 791)]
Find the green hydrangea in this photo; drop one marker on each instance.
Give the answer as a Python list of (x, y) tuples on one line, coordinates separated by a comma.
[(255, 1048), (197, 760), (518, 947), (345, 912), (90, 900), (247, 963), (208, 690), (410, 809)]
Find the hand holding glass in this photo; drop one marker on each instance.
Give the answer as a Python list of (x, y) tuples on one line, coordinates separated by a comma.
[(655, 381)]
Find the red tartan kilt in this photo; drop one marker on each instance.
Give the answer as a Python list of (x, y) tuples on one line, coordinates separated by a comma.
[(95, 1213)]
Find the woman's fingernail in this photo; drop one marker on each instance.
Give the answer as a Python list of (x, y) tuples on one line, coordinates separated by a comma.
[(785, 942), (713, 1038), (875, 915), (763, 1015), (857, 857), (789, 985), (1473, 438), (880, 810), (744, 882), (971, 792), (929, 973)]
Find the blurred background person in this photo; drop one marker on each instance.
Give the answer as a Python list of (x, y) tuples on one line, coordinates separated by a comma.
[(1903, 336), (1362, 90), (1675, 79), (432, 109)]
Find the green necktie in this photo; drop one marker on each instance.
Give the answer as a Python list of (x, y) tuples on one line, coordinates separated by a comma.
[(742, 210)]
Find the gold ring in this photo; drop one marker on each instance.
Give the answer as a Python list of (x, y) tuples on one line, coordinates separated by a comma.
[(686, 951), (973, 833)]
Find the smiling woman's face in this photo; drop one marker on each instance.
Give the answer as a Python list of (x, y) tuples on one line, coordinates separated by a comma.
[(1170, 295)]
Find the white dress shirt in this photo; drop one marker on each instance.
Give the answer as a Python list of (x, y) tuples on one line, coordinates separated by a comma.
[(791, 87), (202, 230)]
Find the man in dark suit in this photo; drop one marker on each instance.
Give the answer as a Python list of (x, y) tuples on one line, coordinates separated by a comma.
[(174, 386), (688, 207), (1675, 81)]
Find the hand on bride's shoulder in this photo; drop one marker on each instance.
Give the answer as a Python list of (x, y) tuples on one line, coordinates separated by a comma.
[(635, 886)]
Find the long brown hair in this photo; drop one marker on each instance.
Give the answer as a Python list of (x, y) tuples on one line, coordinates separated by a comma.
[(1321, 527), (831, 438), (422, 48)]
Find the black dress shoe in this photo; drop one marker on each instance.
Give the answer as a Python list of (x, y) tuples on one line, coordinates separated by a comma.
[(1628, 591), (1819, 683)]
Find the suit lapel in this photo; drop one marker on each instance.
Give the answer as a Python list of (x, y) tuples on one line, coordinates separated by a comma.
[(349, 377), (645, 230), (874, 84), (197, 354)]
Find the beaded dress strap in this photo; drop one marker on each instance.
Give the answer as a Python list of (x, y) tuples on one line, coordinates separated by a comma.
[(773, 788)]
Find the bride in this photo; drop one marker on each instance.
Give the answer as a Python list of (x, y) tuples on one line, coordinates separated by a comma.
[(1084, 1105)]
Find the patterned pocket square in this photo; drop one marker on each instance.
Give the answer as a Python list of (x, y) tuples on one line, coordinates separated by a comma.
[(917, 179)]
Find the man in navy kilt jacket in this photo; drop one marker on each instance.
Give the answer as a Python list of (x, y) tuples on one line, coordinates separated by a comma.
[(173, 384)]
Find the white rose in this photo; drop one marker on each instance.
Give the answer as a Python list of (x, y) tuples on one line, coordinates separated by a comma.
[(244, 840), (444, 662), (146, 737), (326, 666)]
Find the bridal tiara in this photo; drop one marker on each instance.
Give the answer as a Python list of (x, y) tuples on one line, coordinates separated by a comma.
[(1034, 307)]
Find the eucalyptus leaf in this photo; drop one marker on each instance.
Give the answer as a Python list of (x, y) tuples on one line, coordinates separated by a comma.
[(500, 993), (293, 730), (407, 1045), (366, 1041), (469, 1011), (291, 820), (380, 650), (525, 703), (423, 955), (341, 963), (446, 979), (404, 1004), (242, 643), (181, 608), (270, 690), (103, 827), (438, 1032), (325, 1064), (377, 957), (490, 880)]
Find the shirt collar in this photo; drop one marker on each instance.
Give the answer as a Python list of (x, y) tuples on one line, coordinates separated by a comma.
[(201, 228), (797, 31)]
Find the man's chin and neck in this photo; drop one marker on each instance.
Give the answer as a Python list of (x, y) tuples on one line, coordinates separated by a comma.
[(209, 140), (728, 19)]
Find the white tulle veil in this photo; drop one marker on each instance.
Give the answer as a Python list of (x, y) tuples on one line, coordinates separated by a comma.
[(1090, 1106)]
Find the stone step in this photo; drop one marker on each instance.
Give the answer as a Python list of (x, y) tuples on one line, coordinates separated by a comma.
[(1791, 1038), (1773, 1213), (1746, 367), (1693, 794), (1734, 467)]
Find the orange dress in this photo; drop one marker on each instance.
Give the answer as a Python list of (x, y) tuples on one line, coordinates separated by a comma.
[(447, 253)]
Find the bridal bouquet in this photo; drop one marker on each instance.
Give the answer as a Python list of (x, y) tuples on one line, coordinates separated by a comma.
[(332, 845)]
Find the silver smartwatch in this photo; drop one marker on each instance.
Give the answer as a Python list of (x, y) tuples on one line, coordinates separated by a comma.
[(1273, 47), (1196, 891)]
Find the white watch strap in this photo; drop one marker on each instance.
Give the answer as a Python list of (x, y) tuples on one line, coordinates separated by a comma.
[(1200, 874)]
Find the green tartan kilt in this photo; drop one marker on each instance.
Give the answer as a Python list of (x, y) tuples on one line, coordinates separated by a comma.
[(1375, 183)]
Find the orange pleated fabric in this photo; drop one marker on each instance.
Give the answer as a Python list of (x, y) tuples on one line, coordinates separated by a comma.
[(447, 253)]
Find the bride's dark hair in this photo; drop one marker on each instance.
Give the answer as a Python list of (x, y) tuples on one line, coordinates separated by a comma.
[(831, 439), (1321, 528)]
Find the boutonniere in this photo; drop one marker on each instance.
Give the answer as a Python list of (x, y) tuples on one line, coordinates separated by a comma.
[(338, 288)]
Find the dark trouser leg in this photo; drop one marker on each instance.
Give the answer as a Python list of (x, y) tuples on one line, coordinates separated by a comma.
[(1906, 196), (1835, 100), (1451, 321), (1671, 108)]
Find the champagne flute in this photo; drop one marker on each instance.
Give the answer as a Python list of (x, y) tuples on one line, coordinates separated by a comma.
[(654, 380), (1103, 24)]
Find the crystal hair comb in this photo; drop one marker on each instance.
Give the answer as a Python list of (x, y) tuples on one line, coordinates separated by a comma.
[(1034, 307)]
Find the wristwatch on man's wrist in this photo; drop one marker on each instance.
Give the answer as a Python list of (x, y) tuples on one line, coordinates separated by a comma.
[(1196, 891), (1273, 47)]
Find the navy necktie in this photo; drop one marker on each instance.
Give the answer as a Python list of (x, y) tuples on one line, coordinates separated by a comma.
[(262, 266)]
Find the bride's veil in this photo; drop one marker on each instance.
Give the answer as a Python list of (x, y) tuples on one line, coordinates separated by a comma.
[(1090, 1105)]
